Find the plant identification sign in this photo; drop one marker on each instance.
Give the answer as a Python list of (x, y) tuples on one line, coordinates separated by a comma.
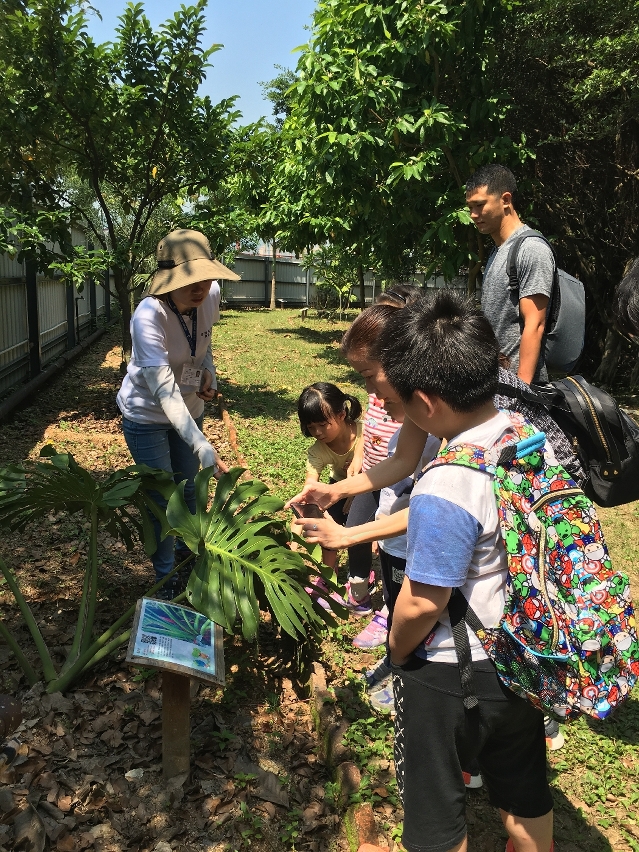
[(176, 638)]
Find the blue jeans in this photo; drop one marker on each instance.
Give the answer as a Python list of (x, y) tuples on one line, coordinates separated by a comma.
[(161, 447)]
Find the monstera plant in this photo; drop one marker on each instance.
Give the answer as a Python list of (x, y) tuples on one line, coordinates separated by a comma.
[(242, 554)]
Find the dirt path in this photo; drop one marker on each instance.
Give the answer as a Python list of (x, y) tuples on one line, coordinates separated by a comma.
[(89, 774)]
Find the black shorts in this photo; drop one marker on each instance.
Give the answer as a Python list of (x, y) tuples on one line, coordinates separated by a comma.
[(435, 737)]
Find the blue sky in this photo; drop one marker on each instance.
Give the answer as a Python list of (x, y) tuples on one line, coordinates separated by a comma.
[(256, 34)]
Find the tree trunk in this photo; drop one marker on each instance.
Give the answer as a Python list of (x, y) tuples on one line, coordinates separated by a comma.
[(610, 361), (634, 376), (273, 276), (121, 283), (362, 287), (475, 270)]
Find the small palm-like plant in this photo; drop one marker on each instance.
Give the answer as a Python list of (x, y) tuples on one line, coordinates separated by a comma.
[(28, 492), (242, 553)]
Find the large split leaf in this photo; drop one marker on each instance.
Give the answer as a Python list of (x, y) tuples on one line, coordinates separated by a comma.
[(240, 548)]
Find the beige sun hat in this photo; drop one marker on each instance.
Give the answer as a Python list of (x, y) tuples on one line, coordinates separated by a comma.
[(184, 257)]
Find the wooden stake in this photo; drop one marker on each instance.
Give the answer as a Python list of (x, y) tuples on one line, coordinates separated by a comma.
[(176, 724)]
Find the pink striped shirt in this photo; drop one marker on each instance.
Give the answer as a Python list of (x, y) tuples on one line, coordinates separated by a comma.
[(379, 428)]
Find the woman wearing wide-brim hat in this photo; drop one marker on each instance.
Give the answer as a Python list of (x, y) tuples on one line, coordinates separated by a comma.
[(171, 373)]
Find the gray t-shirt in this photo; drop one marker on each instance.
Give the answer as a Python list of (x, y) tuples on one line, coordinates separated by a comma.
[(536, 266)]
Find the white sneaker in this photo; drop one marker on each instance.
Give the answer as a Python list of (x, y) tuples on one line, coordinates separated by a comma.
[(472, 782), (554, 737)]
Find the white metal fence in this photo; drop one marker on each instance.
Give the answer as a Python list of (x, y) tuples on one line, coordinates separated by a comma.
[(296, 286), (40, 318), (64, 319)]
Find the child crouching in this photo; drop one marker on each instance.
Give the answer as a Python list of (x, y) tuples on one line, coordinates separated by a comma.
[(332, 417)]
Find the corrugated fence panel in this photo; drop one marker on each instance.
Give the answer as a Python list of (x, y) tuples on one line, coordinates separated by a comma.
[(52, 313), (238, 292), (10, 268), (83, 312), (14, 340), (78, 237), (250, 269), (99, 299), (288, 273), (291, 292), (255, 286)]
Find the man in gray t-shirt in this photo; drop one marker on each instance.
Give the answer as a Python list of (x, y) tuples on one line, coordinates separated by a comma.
[(518, 320)]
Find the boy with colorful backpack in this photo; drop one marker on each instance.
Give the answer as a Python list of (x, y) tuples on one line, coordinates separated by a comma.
[(549, 619)]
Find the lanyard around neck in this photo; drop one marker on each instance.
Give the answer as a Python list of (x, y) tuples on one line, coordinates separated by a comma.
[(192, 336)]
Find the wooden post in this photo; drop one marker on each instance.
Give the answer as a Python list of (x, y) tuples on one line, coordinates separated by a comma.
[(107, 296), (176, 724)]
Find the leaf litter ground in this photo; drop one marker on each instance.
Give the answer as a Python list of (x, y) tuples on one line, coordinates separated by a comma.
[(88, 775)]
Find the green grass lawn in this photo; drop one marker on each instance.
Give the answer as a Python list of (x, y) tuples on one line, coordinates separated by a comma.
[(265, 358)]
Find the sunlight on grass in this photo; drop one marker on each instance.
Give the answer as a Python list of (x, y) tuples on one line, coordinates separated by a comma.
[(264, 360)]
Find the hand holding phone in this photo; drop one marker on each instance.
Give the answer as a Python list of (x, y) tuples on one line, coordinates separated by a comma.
[(307, 510)]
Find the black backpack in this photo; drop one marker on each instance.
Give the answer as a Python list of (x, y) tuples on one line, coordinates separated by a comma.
[(605, 438), (566, 323)]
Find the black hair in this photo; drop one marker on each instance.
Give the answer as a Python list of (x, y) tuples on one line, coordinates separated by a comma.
[(496, 178), (399, 295), (323, 401), (362, 336), (441, 345), (625, 307)]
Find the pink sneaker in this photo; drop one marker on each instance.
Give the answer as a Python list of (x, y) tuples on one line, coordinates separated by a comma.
[(358, 595), (358, 608), (510, 846), (318, 583), (374, 634)]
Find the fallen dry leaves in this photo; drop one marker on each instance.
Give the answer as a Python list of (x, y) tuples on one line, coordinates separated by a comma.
[(88, 772)]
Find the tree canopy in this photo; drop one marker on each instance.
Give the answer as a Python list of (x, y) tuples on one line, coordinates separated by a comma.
[(116, 135), (392, 112), (571, 71)]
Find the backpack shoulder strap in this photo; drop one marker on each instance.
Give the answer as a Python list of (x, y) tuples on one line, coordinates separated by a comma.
[(524, 394), (466, 455), (513, 253), (525, 441)]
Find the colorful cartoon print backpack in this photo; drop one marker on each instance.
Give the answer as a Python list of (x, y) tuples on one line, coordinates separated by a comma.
[(567, 640)]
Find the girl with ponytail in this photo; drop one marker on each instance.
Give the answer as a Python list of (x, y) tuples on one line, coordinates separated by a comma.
[(332, 417)]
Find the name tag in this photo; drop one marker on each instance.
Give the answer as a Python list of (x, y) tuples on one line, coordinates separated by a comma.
[(191, 375)]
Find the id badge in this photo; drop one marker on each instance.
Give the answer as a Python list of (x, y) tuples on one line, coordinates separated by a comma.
[(191, 375)]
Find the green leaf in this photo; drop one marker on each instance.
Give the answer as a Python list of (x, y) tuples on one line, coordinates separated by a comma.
[(237, 545)]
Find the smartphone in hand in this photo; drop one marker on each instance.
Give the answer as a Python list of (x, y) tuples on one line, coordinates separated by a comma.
[(307, 510)]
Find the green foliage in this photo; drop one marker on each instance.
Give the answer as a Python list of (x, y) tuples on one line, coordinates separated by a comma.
[(243, 557), (107, 133), (28, 492), (571, 72), (243, 553), (251, 826), (279, 91), (336, 272), (291, 828), (392, 113)]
